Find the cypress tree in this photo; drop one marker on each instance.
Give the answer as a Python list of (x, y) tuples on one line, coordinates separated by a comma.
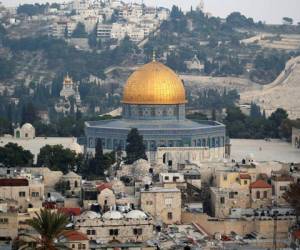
[(135, 148)]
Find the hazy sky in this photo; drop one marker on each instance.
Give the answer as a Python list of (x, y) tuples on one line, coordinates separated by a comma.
[(270, 11)]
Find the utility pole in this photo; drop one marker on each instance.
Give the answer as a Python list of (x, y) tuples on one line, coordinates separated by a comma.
[(275, 230)]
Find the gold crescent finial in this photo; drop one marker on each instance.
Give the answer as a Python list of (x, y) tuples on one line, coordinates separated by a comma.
[(153, 56)]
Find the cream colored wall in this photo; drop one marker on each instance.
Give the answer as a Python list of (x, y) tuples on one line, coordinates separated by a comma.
[(279, 193), (262, 202), (125, 227), (107, 195), (241, 227), (13, 193), (9, 229), (159, 209), (78, 245), (241, 200), (72, 181)]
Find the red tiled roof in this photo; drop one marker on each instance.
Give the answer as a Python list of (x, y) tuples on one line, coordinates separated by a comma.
[(260, 184), (245, 176), (297, 234), (13, 182), (103, 186), (75, 236), (70, 210)]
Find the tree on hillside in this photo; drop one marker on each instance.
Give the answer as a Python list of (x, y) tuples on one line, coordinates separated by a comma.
[(277, 119), (79, 31), (57, 158), (29, 113), (12, 155), (7, 68), (135, 148), (292, 196), (287, 20)]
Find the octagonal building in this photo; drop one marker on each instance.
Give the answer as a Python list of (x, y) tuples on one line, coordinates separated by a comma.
[(154, 102)]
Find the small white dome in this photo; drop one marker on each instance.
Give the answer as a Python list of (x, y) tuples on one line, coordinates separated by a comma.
[(27, 126), (112, 215), (74, 146), (136, 214), (91, 215)]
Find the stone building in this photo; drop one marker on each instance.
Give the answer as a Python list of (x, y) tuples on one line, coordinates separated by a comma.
[(28, 194), (164, 204), (260, 194), (106, 198), (69, 90), (75, 240), (194, 64), (27, 131), (154, 102), (8, 225), (225, 199), (280, 185), (114, 226), (73, 181)]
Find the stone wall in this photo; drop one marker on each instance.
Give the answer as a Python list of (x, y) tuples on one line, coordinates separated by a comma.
[(264, 228)]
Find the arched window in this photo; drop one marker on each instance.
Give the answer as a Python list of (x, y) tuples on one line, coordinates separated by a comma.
[(257, 195), (265, 194), (18, 134), (76, 184)]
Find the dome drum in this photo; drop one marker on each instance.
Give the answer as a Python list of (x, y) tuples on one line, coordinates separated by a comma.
[(154, 112)]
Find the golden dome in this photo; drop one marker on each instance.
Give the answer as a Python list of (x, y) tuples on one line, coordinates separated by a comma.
[(154, 83)]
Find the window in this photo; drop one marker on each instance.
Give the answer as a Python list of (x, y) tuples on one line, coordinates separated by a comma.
[(137, 231), (35, 194), (245, 182), (166, 178), (22, 194), (175, 178), (73, 245), (231, 195), (149, 202), (257, 195), (114, 232), (91, 232), (3, 220), (222, 200), (83, 246), (225, 177), (283, 188), (76, 184), (168, 202), (170, 216), (265, 194)]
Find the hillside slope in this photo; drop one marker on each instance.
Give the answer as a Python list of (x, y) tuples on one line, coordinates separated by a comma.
[(284, 92)]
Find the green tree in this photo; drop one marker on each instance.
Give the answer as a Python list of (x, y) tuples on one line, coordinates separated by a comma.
[(96, 166), (13, 155), (49, 225), (287, 20), (29, 113), (57, 158), (79, 31), (135, 148)]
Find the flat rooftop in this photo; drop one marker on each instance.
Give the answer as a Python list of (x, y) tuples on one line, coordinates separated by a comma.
[(262, 150)]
